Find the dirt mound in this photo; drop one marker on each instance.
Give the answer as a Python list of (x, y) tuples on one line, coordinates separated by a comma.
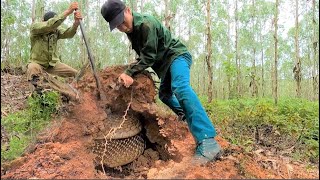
[(64, 150)]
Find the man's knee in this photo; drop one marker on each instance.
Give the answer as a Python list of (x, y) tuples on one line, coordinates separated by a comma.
[(33, 69), (63, 70)]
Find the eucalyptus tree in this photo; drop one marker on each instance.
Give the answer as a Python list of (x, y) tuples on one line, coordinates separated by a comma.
[(8, 19), (306, 47), (275, 90), (38, 10), (221, 47), (297, 67), (189, 27), (224, 36), (253, 82), (246, 44), (15, 19), (237, 59), (265, 13), (209, 50), (315, 47)]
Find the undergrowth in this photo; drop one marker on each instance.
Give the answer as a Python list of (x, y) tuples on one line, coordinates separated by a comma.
[(291, 127), (22, 126)]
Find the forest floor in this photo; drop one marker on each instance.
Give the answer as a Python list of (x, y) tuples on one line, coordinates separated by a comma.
[(64, 149)]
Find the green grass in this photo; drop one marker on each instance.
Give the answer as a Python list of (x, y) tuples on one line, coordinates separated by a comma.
[(23, 126), (294, 122)]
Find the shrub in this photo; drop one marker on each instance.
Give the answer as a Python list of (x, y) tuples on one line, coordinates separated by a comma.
[(23, 126)]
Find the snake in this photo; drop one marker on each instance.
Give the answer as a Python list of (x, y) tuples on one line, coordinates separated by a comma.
[(121, 147)]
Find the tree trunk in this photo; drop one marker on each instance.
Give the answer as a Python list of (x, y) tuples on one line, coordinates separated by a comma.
[(167, 14), (262, 63), (262, 74), (315, 76), (33, 18), (275, 91), (209, 52), (237, 52), (297, 67), (39, 11), (254, 71), (203, 73), (229, 51), (141, 6)]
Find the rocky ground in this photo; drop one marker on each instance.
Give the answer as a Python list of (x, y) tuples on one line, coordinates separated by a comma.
[(64, 149)]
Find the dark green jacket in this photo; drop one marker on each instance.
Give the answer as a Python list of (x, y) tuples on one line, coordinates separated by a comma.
[(44, 37), (154, 45)]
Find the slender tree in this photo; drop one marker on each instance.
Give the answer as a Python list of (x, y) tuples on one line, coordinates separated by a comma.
[(275, 91), (209, 52), (229, 51), (39, 10), (297, 67), (315, 76), (167, 17), (33, 10), (253, 82), (237, 50)]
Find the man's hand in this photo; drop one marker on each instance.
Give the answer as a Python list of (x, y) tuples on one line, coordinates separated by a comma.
[(77, 17), (126, 79), (73, 6)]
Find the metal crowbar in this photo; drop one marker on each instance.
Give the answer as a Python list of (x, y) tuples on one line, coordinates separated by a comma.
[(101, 96)]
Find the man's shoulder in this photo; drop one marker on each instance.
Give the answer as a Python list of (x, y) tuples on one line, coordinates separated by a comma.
[(150, 19), (141, 19), (35, 24)]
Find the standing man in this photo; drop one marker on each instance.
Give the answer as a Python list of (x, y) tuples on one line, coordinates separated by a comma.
[(44, 57), (170, 59)]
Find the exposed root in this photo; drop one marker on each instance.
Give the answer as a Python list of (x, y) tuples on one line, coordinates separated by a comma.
[(113, 131)]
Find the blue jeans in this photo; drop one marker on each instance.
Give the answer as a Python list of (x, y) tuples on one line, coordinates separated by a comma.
[(175, 91)]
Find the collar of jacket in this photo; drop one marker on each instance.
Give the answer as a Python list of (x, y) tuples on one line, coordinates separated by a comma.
[(137, 21)]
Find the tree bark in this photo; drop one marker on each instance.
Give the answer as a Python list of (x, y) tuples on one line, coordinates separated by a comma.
[(297, 67), (167, 14), (229, 51), (209, 52), (275, 91), (33, 18), (254, 71), (39, 10), (237, 51), (315, 76)]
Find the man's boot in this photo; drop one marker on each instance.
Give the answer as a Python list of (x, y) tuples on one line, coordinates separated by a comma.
[(36, 85), (207, 150)]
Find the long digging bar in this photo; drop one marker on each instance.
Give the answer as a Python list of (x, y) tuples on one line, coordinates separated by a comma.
[(101, 96)]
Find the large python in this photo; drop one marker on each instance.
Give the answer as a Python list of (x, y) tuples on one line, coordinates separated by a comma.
[(122, 146)]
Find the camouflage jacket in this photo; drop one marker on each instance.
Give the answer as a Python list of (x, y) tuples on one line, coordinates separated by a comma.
[(44, 37)]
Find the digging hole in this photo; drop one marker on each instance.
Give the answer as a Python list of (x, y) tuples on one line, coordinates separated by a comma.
[(154, 150)]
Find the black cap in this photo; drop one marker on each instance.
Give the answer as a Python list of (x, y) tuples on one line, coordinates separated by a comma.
[(113, 12), (48, 15)]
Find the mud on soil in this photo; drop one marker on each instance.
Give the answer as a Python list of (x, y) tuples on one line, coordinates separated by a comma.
[(63, 150)]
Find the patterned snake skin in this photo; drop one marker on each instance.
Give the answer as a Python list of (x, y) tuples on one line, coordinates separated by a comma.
[(121, 147)]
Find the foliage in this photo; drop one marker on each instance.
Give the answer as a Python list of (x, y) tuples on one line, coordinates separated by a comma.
[(293, 123), (23, 126), (255, 42)]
